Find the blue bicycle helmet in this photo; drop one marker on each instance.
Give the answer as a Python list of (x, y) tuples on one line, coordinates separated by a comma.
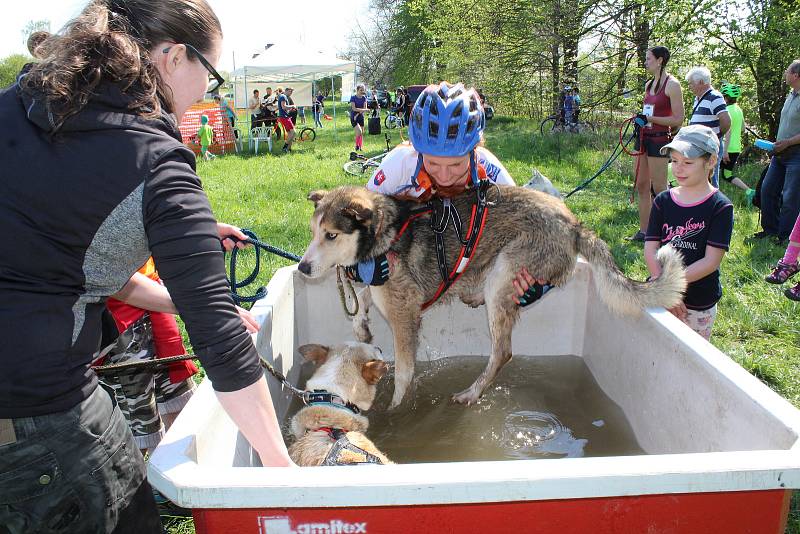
[(447, 120)]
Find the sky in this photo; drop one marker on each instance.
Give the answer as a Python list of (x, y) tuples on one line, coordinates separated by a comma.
[(246, 24)]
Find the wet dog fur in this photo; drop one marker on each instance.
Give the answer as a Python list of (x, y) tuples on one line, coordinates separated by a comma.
[(524, 228), (351, 371)]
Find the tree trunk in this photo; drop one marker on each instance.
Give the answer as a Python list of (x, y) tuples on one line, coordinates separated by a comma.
[(641, 37), (555, 55)]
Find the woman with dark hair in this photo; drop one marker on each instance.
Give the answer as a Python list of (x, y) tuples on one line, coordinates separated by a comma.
[(663, 108), (96, 180)]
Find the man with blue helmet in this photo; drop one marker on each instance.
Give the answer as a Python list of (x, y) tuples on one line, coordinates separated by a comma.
[(445, 158)]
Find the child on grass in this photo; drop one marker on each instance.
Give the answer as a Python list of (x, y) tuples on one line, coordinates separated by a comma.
[(787, 267), (733, 139), (206, 136), (695, 218), (150, 399)]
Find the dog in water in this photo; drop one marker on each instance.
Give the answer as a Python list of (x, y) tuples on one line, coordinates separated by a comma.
[(524, 228), (330, 429)]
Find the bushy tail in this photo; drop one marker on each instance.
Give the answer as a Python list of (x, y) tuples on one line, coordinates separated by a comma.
[(629, 297)]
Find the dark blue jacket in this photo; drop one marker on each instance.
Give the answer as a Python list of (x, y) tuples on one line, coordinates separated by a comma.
[(80, 213)]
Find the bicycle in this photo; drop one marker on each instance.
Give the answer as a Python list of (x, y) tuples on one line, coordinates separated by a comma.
[(394, 120), (555, 124), (359, 163), (307, 134)]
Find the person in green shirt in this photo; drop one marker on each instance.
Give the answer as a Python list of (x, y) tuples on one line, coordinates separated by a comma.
[(733, 139), (206, 136)]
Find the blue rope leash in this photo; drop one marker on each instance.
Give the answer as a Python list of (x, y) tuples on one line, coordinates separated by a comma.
[(261, 292), (616, 153)]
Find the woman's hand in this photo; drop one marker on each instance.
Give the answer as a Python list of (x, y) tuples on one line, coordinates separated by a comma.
[(523, 281), (249, 320), (226, 231)]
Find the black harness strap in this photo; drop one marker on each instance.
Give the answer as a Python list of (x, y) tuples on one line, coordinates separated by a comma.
[(450, 216), (344, 444)]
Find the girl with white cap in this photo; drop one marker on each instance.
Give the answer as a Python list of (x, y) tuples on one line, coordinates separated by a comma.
[(695, 218)]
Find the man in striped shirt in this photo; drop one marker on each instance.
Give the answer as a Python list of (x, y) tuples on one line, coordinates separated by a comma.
[(709, 109)]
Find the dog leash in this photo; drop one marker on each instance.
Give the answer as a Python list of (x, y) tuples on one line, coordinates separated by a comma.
[(259, 245), (309, 398), (616, 153), (342, 296)]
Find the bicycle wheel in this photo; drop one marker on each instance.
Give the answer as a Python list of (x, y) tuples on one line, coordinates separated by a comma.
[(548, 125), (356, 168), (308, 134)]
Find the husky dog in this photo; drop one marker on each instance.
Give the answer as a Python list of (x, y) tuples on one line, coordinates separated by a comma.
[(330, 430), (524, 228)]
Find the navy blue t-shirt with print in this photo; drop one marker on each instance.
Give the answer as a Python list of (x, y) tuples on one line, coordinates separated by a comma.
[(690, 228)]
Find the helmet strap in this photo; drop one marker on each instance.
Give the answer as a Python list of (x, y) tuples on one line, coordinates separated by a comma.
[(414, 180), (473, 169)]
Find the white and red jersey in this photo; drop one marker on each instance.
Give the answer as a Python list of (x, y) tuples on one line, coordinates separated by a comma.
[(395, 176)]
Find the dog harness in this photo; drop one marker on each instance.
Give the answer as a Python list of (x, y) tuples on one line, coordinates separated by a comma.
[(444, 215), (338, 435), (341, 443)]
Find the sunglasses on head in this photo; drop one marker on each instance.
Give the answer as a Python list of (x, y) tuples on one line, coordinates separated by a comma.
[(213, 84)]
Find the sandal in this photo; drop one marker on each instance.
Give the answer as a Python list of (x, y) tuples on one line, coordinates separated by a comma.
[(793, 293), (638, 236), (781, 273)]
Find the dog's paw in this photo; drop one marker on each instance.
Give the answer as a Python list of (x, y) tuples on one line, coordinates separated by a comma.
[(469, 396), (474, 300)]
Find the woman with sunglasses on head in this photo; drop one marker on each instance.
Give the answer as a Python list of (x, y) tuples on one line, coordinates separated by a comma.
[(96, 180)]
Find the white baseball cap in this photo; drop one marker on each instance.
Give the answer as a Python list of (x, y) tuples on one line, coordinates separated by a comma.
[(693, 141)]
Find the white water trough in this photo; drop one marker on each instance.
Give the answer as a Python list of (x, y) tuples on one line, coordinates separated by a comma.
[(721, 447)]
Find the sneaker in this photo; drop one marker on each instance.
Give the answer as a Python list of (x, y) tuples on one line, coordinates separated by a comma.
[(749, 195), (793, 293), (781, 273), (638, 236)]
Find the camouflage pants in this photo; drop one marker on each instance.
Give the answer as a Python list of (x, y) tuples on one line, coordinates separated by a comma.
[(144, 395)]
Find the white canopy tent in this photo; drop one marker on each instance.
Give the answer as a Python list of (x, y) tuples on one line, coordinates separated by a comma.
[(293, 65)]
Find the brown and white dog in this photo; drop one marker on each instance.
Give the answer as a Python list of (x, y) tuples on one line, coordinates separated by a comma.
[(524, 228), (330, 430)]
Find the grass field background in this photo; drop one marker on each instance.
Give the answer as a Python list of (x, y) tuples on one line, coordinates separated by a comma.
[(756, 325)]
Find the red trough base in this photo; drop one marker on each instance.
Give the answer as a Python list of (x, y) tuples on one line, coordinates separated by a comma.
[(756, 512)]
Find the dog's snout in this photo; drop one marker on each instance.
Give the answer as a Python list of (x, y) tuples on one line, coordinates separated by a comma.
[(304, 267)]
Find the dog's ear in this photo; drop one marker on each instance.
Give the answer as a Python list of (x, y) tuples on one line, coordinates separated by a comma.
[(359, 210), (316, 196), (314, 353), (373, 371)]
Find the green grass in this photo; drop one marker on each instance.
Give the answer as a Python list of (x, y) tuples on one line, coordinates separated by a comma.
[(756, 325)]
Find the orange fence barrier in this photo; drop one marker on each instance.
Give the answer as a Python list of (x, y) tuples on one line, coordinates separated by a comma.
[(224, 140)]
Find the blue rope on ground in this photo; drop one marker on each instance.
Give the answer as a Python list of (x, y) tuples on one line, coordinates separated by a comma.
[(261, 292), (616, 153)]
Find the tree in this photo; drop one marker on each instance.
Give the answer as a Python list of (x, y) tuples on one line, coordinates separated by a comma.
[(34, 26), (10, 67)]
